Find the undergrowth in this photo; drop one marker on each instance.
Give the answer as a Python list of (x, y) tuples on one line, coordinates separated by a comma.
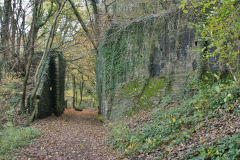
[(225, 149), (10, 93), (173, 124), (11, 138)]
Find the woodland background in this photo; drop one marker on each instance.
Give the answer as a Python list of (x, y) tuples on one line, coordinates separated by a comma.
[(163, 74)]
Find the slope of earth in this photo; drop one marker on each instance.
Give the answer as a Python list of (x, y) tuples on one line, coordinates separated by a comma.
[(74, 135)]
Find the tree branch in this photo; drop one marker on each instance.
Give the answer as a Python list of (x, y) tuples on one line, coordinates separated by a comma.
[(82, 24)]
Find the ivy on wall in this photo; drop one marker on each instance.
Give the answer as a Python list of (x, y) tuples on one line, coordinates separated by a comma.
[(124, 55)]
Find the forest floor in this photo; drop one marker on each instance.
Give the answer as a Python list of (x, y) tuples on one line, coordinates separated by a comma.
[(74, 135)]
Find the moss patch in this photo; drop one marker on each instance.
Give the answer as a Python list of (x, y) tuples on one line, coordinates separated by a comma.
[(150, 95), (131, 89), (151, 91)]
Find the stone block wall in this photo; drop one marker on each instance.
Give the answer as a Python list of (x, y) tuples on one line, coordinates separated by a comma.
[(50, 94), (140, 62)]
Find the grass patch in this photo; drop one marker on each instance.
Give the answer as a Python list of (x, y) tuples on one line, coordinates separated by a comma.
[(12, 138)]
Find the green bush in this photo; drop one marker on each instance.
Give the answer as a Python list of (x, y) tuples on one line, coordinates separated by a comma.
[(11, 138)]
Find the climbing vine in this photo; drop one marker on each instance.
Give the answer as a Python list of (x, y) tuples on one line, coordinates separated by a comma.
[(124, 55), (218, 22)]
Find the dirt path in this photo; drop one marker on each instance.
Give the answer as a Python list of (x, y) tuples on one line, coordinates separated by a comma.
[(75, 135)]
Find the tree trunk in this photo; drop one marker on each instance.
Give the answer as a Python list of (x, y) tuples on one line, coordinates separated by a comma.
[(50, 38), (81, 90), (94, 40), (76, 96), (31, 41), (19, 37), (5, 29), (13, 38), (1, 53), (96, 19), (73, 91)]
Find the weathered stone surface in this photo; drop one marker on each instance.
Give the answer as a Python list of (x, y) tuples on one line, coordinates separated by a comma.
[(160, 47)]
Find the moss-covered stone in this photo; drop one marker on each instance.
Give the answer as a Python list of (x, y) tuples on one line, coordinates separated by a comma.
[(151, 93), (131, 89)]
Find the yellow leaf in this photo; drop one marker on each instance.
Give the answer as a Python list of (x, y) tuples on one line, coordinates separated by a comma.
[(82, 146), (174, 120), (149, 141)]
